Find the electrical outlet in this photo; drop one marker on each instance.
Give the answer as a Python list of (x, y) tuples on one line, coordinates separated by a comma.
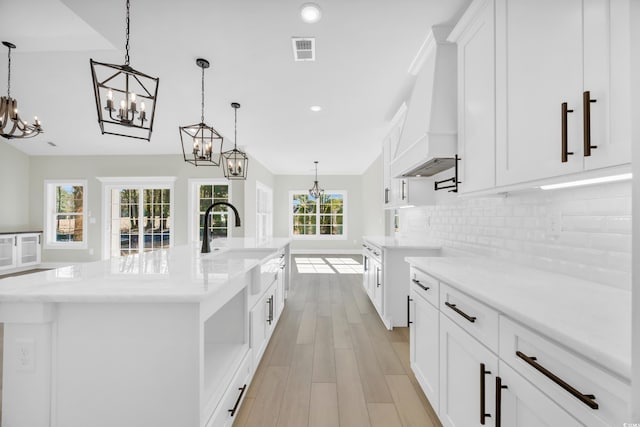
[(25, 349)]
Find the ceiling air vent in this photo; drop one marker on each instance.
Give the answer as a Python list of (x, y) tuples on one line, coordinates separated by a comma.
[(304, 48)]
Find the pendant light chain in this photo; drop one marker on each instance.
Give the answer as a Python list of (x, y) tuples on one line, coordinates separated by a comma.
[(126, 57), (202, 103), (9, 75)]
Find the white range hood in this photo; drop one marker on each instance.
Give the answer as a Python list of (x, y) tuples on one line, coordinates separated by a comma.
[(429, 136)]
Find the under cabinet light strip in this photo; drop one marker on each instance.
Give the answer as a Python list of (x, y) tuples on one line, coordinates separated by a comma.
[(591, 181)]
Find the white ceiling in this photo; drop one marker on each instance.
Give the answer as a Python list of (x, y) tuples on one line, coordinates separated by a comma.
[(360, 78)]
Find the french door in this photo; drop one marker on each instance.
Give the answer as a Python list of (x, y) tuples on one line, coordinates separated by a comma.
[(140, 219)]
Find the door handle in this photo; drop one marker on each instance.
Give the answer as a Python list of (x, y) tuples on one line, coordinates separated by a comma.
[(409, 322), (565, 144), (499, 388), (586, 123), (483, 415)]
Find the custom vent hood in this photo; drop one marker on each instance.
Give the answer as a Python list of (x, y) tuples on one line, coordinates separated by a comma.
[(428, 141)]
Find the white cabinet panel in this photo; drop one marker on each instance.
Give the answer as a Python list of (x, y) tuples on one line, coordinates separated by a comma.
[(28, 249), (8, 245), (424, 347), (464, 365)]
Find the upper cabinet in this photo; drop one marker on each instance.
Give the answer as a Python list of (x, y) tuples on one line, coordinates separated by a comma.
[(562, 79), (475, 36)]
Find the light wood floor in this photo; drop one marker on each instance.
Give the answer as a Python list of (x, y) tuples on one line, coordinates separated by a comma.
[(331, 362)]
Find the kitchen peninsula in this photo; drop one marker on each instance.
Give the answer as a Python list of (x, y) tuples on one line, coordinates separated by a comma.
[(162, 338)]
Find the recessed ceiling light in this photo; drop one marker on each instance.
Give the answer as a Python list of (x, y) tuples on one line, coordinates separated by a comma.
[(310, 13), (315, 108)]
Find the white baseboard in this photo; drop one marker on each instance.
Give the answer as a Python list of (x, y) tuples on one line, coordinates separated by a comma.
[(326, 251)]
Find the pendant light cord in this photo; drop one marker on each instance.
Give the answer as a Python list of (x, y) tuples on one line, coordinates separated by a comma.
[(202, 103), (235, 129), (126, 56), (9, 75)]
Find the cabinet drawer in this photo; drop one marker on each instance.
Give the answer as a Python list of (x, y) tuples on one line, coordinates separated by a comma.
[(529, 354), (476, 318), (424, 285), (233, 397)]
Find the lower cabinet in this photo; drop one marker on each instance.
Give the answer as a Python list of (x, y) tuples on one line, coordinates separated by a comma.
[(467, 371), (376, 286), (8, 252), (519, 404), (19, 250), (262, 322), (423, 346)]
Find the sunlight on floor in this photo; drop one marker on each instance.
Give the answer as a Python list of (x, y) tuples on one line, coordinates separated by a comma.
[(319, 265)]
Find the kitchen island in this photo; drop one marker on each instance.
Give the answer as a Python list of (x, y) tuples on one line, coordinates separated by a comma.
[(156, 339)]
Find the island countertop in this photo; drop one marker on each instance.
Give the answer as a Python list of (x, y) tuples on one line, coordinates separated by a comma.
[(388, 242), (178, 274), (591, 318)]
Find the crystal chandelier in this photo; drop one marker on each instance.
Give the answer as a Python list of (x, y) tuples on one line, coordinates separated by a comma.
[(235, 162), (134, 88), (316, 191), (11, 125), (207, 142)]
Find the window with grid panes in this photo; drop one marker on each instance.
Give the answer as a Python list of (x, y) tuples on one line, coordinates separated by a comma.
[(66, 214), (321, 217), (209, 193)]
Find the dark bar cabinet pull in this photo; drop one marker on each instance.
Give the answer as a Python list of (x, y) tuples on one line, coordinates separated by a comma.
[(403, 184), (409, 322), (386, 195), (377, 277), (499, 388), (586, 122), (417, 282), (270, 312), (483, 372), (565, 145), (587, 399), (453, 307), (232, 412), (366, 267)]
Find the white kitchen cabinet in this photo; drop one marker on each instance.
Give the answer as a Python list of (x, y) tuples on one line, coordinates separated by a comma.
[(8, 251), (523, 405), (262, 323), (475, 38), (377, 285), (19, 250), (467, 373), (28, 249), (424, 342), (550, 53)]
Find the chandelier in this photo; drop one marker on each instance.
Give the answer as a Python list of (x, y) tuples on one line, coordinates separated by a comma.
[(235, 162), (207, 142), (11, 125), (133, 88), (316, 191)]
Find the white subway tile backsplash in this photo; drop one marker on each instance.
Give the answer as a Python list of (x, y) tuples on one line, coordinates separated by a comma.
[(583, 232)]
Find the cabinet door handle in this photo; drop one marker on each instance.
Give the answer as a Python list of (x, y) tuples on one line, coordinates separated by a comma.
[(15, 240), (453, 307), (586, 122), (499, 388), (386, 195), (377, 277), (366, 267), (483, 415), (403, 184), (270, 312), (565, 144), (409, 322), (417, 282), (587, 399), (232, 412)]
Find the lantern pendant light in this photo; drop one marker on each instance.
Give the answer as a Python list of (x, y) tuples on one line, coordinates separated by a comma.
[(11, 125), (202, 142), (316, 191), (235, 162), (135, 96)]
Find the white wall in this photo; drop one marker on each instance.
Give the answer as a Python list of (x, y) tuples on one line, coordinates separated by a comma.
[(373, 200), (14, 187), (583, 232), (90, 167), (351, 183)]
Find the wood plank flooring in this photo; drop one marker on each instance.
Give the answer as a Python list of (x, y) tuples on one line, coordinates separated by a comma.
[(331, 362)]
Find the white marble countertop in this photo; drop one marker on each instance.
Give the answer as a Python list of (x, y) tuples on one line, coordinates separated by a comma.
[(179, 274), (590, 318), (401, 243)]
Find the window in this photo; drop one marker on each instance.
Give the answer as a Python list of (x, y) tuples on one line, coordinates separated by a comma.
[(139, 215), (202, 194), (66, 214), (264, 211), (318, 218)]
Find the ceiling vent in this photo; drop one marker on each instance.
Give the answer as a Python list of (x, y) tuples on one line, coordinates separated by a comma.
[(304, 48)]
